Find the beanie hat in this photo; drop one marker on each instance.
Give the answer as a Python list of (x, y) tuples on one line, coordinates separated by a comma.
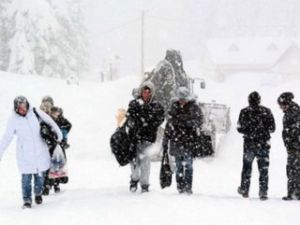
[(254, 98), (285, 98), (183, 94)]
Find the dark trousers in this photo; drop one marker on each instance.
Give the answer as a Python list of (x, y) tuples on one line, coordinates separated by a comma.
[(262, 156), (184, 171), (293, 173)]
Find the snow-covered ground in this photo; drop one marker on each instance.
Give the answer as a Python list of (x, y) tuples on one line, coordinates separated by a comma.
[(98, 189)]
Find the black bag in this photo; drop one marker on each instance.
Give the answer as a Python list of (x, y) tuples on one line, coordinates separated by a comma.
[(202, 146), (46, 132), (122, 147), (165, 175)]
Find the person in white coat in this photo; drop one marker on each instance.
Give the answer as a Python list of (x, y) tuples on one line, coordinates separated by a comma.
[(32, 152)]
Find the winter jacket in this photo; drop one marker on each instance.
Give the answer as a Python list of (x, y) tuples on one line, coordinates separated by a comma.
[(63, 124), (291, 127), (256, 123), (144, 119), (183, 126), (32, 152)]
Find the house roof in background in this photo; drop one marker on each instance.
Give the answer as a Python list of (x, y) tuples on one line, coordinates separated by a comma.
[(248, 50)]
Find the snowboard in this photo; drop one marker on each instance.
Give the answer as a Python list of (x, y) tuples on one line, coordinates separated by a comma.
[(58, 165)]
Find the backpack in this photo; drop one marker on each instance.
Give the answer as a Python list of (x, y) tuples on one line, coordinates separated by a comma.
[(46, 132), (122, 147)]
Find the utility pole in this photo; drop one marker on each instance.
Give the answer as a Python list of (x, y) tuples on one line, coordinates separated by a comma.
[(111, 71), (142, 43)]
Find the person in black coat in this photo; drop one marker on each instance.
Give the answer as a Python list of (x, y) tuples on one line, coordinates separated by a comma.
[(255, 122), (65, 126), (144, 116), (184, 123), (291, 139)]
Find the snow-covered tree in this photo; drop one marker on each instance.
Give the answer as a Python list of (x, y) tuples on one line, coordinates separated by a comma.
[(4, 35), (48, 38)]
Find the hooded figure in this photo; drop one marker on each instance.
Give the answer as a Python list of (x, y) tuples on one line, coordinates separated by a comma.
[(256, 122), (184, 123), (32, 152), (144, 116), (285, 98), (183, 93), (291, 139), (47, 104)]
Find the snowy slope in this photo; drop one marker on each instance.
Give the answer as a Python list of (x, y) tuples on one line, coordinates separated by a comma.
[(98, 189)]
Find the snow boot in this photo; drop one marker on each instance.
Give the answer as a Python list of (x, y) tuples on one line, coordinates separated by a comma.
[(263, 195), (287, 198), (46, 190), (189, 191), (38, 199), (243, 192), (56, 188), (26, 205), (145, 188), (180, 188), (133, 185), (180, 191)]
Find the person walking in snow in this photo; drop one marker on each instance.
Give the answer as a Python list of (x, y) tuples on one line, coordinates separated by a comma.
[(144, 116), (65, 126), (291, 139), (184, 123), (46, 105), (32, 152), (255, 122)]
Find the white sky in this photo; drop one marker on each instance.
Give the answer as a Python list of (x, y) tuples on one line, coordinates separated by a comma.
[(114, 25), (115, 29)]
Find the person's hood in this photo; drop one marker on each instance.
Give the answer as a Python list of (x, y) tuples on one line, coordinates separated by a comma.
[(285, 98), (148, 84), (17, 101), (184, 94)]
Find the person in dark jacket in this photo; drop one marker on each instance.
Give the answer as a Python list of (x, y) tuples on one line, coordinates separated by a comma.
[(65, 126), (184, 123), (256, 122), (291, 139), (144, 116)]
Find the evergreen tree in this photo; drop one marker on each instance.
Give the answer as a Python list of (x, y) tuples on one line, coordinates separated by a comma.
[(4, 36), (48, 38)]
